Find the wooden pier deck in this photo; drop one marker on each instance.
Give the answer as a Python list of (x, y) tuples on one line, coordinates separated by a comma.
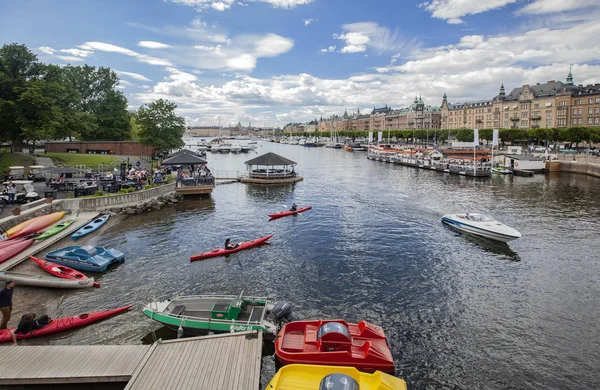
[(28, 365), (83, 219), (464, 171), (225, 362)]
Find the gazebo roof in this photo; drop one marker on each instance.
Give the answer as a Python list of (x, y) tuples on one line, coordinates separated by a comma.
[(184, 157), (183, 151), (270, 159)]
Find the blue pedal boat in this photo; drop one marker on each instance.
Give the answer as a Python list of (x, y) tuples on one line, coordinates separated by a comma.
[(86, 258), (90, 227)]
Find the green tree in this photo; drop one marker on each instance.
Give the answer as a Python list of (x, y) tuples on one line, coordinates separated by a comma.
[(94, 84), (112, 118), (161, 128)]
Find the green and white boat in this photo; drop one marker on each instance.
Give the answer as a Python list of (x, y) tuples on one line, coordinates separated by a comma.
[(56, 228), (202, 314)]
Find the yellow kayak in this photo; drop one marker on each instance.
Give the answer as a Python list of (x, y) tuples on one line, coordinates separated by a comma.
[(312, 377), (17, 228)]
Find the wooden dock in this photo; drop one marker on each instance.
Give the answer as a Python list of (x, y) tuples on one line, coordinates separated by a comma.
[(83, 219), (465, 170), (195, 190), (225, 362), (28, 365)]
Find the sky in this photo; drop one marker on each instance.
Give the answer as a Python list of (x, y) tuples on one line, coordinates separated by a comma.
[(271, 62)]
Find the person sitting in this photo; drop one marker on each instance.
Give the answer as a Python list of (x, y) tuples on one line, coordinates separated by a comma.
[(29, 323), (294, 207), (229, 245)]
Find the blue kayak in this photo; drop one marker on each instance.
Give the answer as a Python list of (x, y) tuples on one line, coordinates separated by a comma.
[(86, 258), (90, 227)]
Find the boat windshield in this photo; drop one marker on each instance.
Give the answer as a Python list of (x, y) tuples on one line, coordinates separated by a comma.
[(333, 327), (338, 382), (480, 218)]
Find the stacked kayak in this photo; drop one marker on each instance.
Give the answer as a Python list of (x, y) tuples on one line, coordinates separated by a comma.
[(56, 229), (90, 227), (37, 224), (63, 324), (223, 251), (61, 271), (289, 212), (312, 377), (44, 281), (86, 258), (10, 248), (335, 343)]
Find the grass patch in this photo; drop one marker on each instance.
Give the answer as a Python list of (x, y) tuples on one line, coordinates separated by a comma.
[(73, 159), (8, 159)]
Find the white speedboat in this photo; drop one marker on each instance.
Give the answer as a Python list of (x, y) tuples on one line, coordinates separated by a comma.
[(235, 148), (481, 225)]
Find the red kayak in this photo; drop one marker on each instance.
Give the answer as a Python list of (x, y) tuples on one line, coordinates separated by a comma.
[(288, 212), (60, 271), (5, 243), (39, 224), (223, 251), (63, 324), (335, 343), (11, 250)]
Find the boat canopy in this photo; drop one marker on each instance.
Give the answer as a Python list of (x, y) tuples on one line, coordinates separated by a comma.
[(479, 218), (333, 327), (338, 382)]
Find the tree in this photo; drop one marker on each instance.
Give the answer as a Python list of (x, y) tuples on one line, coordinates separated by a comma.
[(94, 85), (160, 128), (112, 119)]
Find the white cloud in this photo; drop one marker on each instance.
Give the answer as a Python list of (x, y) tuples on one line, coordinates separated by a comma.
[(135, 76), (551, 6), (359, 37), (76, 55), (453, 10), (242, 62), (153, 45), (308, 22), (70, 58), (328, 50), (222, 5), (272, 45), (153, 60), (46, 50), (77, 52), (110, 48), (126, 83)]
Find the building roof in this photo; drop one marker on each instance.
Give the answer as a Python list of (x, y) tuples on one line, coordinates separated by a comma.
[(381, 110), (548, 89), (184, 157), (270, 159)]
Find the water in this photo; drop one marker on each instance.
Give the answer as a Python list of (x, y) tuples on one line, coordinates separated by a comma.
[(460, 313)]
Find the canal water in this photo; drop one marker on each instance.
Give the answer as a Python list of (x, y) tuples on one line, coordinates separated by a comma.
[(460, 313)]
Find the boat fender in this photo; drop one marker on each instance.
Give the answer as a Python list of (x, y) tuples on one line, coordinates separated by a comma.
[(180, 332), (516, 164)]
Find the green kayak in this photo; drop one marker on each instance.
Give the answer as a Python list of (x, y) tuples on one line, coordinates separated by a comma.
[(56, 229)]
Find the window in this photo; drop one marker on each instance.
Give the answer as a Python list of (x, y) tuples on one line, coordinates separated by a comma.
[(506, 123), (579, 121), (579, 113), (524, 123), (536, 105), (506, 115), (574, 121), (590, 110), (561, 122), (578, 102), (597, 110), (596, 121), (563, 104), (524, 115), (590, 121), (574, 111), (524, 106), (489, 110), (548, 112), (597, 100)]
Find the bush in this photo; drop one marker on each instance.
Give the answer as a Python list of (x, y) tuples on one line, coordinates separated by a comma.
[(123, 191), (130, 189), (148, 186), (98, 194)]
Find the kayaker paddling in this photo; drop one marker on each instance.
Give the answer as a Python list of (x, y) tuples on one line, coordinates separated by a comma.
[(229, 245), (294, 207)]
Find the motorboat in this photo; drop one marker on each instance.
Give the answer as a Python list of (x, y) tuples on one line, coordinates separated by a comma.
[(335, 343), (481, 225), (224, 148), (294, 142), (86, 258), (502, 170), (333, 145), (312, 377), (245, 149), (235, 148), (200, 314)]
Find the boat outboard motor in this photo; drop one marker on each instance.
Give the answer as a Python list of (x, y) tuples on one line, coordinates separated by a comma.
[(282, 311)]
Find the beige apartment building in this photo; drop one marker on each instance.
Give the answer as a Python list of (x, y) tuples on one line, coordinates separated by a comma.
[(547, 105)]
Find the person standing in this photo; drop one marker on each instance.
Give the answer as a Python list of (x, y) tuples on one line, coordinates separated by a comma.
[(6, 303), (12, 190)]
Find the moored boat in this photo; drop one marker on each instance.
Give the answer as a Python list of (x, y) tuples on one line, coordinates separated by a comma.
[(61, 271), (289, 212), (502, 170), (56, 229), (197, 315), (63, 324), (335, 343), (86, 258), (481, 225), (312, 377), (90, 227), (222, 251), (45, 281)]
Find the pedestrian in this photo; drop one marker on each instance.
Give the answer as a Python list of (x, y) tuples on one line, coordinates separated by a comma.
[(6, 302), (12, 190)]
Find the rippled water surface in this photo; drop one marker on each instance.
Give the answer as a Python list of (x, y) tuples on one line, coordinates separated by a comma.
[(460, 313)]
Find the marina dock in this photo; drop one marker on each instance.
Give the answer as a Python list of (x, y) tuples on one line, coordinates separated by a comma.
[(83, 219), (464, 170), (228, 361)]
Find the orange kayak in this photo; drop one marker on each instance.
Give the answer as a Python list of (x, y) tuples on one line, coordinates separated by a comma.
[(39, 223), (15, 229)]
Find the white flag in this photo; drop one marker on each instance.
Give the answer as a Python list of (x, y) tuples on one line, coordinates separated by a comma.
[(380, 136), (370, 137), (475, 137), (495, 137)]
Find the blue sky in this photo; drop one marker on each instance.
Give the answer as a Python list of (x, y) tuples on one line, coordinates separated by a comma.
[(276, 61)]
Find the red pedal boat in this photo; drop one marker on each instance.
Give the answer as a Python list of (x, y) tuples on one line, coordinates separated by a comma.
[(223, 251), (335, 343), (62, 324), (8, 251), (289, 212), (60, 271)]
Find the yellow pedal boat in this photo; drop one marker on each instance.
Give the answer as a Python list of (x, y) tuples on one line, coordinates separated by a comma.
[(313, 377)]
